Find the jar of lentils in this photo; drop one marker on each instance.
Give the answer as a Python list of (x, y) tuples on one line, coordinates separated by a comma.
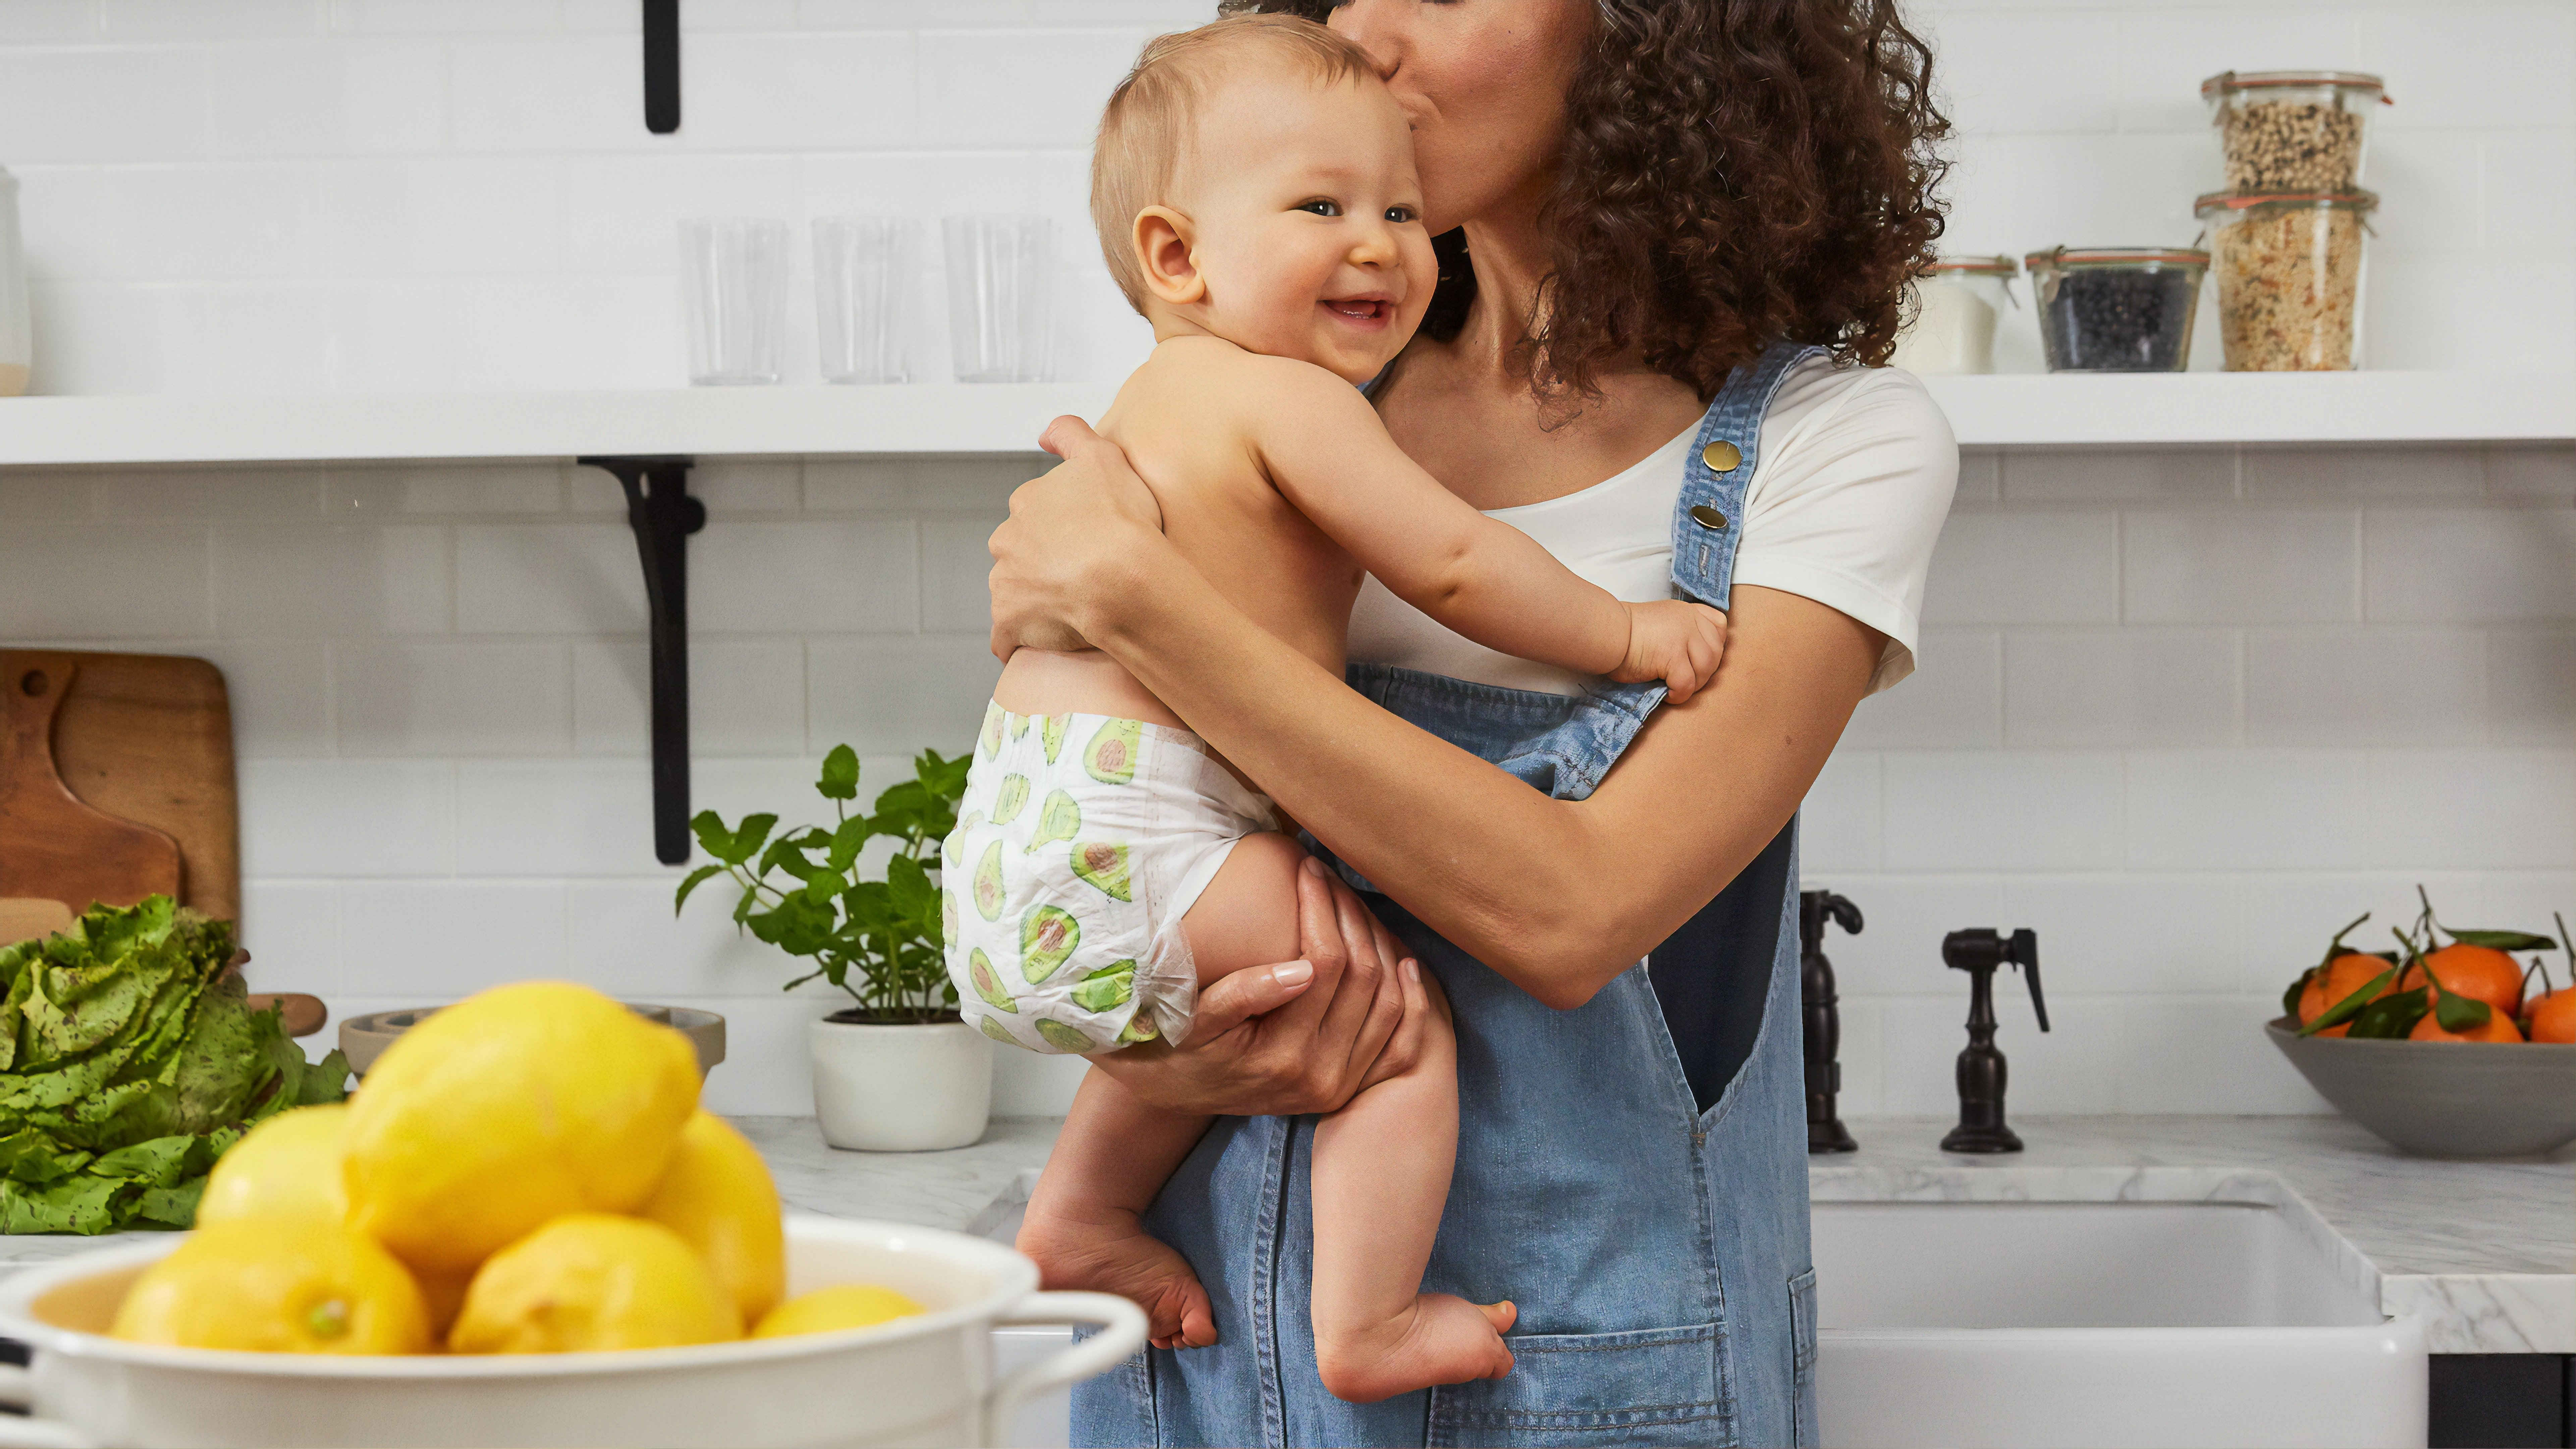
[(2292, 130), (2288, 270), (2116, 309)]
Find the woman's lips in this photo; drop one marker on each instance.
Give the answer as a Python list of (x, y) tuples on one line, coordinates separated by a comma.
[(1366, 313)]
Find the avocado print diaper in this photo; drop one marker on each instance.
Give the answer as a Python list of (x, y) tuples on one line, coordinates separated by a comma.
[(1081, 843)]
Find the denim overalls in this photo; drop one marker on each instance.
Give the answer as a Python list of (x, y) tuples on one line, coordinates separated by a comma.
[(1640, 1192)]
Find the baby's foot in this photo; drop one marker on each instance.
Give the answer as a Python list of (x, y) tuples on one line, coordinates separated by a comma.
[(1124, 1259), (1441, 1339)]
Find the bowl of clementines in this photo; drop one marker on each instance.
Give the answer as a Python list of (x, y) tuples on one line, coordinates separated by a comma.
[(2447, 1045)]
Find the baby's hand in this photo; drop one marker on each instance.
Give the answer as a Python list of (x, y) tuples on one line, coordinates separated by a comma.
[(1677, 642)]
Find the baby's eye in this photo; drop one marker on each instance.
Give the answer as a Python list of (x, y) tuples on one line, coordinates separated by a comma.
[(1400, 214), (1321, 207)]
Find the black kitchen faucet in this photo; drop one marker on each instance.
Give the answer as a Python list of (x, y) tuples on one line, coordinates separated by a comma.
[(1981, 1068)]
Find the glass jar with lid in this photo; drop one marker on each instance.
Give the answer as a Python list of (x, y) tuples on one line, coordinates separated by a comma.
[(2292, 130), (2116, 309), (1956, 302), (2288, 270)]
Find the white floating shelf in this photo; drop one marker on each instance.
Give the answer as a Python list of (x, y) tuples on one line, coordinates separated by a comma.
[(2131, 409), (2001, 411)]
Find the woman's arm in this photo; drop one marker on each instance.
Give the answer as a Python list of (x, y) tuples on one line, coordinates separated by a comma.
[(1559, 896)]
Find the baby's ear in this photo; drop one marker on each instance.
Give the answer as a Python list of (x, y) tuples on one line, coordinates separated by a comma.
[(1163, 239)]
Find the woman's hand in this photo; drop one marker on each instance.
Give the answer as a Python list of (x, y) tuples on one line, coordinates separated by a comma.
[(1074, 539), (1278, 1041)]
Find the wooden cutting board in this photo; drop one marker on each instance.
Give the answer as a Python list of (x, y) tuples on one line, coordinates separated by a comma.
[(116, 780)]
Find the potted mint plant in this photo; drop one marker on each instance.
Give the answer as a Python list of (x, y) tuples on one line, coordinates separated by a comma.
[(896, 1070)]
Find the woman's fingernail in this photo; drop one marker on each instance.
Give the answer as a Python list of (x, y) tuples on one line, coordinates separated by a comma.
[(1412, 970), (1314, 866), (1294, 973)]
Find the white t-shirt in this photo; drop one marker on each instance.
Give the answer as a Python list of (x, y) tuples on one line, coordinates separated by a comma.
[(1851, 480)]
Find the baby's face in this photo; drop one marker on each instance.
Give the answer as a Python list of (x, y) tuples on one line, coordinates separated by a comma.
[(1309, 222)]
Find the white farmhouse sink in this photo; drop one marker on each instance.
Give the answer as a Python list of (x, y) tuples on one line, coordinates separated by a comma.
[(2103, 1323)]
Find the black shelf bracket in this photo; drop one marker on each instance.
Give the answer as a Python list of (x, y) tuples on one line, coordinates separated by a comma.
[(663, 515), (661, 66)]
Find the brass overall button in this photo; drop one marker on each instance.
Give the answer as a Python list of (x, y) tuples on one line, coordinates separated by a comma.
[(1707, 517), (1721, 457)]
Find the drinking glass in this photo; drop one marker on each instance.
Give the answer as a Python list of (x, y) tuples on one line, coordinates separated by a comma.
[(863, 267), (15, 352), (1000, 317), (733, 271)]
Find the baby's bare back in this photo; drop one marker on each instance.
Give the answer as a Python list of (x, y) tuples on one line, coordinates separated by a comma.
[(1187, 421)]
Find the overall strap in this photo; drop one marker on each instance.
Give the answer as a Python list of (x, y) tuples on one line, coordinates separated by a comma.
[(1708, 519)]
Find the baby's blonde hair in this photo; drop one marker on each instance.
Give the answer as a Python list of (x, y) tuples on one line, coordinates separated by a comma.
[(1148, 119)]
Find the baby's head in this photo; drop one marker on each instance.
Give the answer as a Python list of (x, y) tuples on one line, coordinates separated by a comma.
[(1254, 180)]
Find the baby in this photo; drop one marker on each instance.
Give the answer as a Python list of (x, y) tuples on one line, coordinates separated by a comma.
[(1255, 193)]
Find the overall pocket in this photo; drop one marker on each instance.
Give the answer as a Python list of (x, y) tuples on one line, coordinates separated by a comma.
[(1802, 1334), (1652, 1386)]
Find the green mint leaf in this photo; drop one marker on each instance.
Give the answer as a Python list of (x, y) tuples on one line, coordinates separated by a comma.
[(847, 843), (697, 878), (748, 840), (713, 838), (840, 774)]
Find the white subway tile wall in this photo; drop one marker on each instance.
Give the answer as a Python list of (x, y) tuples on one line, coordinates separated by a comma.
[(297, 195), (2183, 712), (439, 684)]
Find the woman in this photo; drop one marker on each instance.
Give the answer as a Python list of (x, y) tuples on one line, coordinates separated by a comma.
[(1674, 226)]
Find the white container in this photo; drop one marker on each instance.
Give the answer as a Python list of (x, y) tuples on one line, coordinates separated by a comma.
[(17, 331), (863, 271), (901, 1088), (916, 1381), (1001, 314), (733, 282), (1954, 330)]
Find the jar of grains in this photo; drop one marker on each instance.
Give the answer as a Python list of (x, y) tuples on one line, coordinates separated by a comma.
[(2288, 269), (2116, 309), (2292, 130), (1953, 330)]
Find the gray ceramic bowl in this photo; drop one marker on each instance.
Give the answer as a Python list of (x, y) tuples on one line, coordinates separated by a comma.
[(364, 1038), (2441, 1098)]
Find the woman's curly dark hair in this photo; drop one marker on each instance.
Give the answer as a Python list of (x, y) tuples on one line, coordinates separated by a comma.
[(1736, 173)]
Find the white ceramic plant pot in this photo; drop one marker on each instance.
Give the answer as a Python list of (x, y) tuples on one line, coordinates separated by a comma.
[(901, 1088)]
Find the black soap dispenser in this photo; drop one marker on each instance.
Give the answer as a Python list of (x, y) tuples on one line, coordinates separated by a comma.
[(1981, 1068), (1821, 1014)]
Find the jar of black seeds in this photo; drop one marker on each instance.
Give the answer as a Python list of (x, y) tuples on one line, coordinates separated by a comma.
[(2116, 309)]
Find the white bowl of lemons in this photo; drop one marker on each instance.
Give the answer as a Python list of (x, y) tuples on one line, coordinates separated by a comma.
[(523, 1231)]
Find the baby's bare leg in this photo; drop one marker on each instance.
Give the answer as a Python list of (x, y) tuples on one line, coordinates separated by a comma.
[(1382, 1167), (1084, 1223)]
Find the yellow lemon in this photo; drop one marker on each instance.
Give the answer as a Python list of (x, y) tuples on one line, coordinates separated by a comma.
[(849, 1305), (510, 1109), (717, 1196), (289, 1164), (593, 1281), (277, 1285)]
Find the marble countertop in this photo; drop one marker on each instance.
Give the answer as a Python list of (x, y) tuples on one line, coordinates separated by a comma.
[(2483, 1252)]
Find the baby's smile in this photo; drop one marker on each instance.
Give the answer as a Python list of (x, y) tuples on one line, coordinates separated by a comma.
[(1370, 311)]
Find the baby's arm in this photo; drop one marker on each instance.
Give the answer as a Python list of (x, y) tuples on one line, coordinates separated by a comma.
[(1328, 454)]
